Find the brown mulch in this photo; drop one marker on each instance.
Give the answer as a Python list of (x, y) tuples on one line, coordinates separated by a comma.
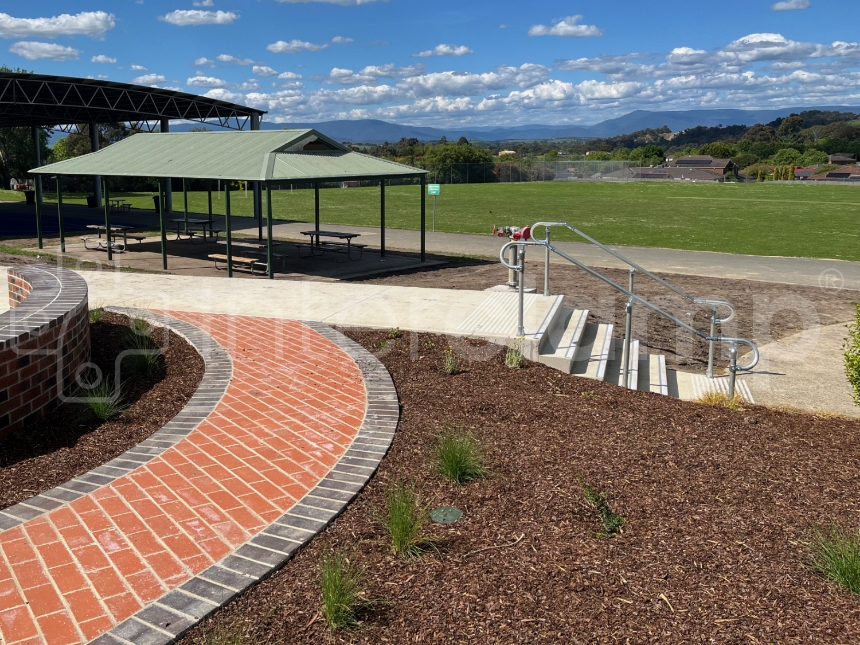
[(718, 507), (70, 441), (766, 311)]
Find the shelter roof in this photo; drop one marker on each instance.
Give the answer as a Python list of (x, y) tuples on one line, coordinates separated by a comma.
[(262, 155)]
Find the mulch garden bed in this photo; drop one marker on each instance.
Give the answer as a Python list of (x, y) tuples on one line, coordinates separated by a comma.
[(766, 311), (718, 505), (70, 441)]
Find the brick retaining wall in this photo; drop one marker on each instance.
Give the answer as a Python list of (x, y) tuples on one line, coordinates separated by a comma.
[(44, 339)]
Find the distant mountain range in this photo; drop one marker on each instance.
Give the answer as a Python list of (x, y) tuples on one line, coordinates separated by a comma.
[(374, 131)]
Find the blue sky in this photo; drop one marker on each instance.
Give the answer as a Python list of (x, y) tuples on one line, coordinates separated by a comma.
[(444, 63)]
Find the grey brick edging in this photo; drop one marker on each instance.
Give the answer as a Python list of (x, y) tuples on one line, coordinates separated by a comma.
[(216, 378), (165, 620)]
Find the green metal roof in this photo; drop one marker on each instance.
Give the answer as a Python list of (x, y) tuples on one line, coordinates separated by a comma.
[(270, 155)]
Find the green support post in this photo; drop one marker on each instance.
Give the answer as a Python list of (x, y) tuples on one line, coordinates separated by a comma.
[(423, 214), (382, 218), (228, 231), (317, 210), (210, 201), (185, 202), (269, 254), (39, 209), (162, 204), (107, 219), (60, 213)]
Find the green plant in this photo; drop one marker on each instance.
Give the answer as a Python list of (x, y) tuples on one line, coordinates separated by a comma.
[(836, 556), (458, 456), (452, 363), (340, 580), (96, 314), (404, 520), (719, 399), (610, 522), (102, 401), (146, 357), (395, 333), (851, 345), (514, 355), (381, 344)]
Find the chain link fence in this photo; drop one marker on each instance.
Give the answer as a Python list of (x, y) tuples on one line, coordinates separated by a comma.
[(518, 171)]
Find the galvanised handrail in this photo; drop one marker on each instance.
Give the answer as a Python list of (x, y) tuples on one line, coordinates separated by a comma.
[(632, 297)]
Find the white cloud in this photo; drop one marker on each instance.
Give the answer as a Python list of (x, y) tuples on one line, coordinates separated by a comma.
[(767, 47), (791, 5), (88, 23), (206, 81), (263, 70), (225, 95), (345, 3), (341, 40), (233, 60), (32, 50), (567, 27), (295, 47), (469, 84), (444, 50), (149, 79), (604, 64), (203, 61), (371, 73), (203, 3), (138, 68), (194, 17), (101, 58), (289, 75)]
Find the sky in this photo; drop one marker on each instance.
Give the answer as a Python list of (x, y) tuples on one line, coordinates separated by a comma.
[(453, 62)]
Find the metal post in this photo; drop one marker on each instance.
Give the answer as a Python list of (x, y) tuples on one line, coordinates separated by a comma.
[(628, 334), (423, 215), (710, 372), (185, 203), (37, 158), (97, 181), (434, 213), (209, 192), (60, 213), (317, 210), (168, 187), (162, 206), (228, 230), (546, 264), (521, 330), (269, 255), (107, 221), (382, 218), (733, 368), (512, 274), (255, 186)]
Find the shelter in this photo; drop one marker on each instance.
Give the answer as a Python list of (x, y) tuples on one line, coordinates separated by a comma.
[(65, 102), (269, 157)]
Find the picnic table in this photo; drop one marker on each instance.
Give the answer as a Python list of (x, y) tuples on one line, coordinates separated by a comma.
[(318, 247), (119, 205), (191, 227), (248, 247), (117, 230)]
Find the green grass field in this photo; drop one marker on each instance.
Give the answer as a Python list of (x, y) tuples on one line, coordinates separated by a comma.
[(800, 220)]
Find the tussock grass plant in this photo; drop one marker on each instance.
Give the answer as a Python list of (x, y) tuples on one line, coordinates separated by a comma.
[(514, 355), (610, 522), (851, 345), (96, 314), (718, 399), (404, 519), (103, 401), (146, 357), (836, 556), (458, 455), (340, 581), (394, 334), (452, 362)]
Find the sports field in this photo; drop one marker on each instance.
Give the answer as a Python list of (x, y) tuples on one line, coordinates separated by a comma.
[(800, 220)]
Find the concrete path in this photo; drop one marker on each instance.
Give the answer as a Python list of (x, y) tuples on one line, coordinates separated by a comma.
[(281, 434)]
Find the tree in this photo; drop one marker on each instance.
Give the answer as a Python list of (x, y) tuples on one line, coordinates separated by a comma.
[(790, 126), (813, 158), (791, 172), (745, 159), (463, 141), (776, 173), (599, 155), (786, 156), (760, 134), (718, 150), (760, 175)]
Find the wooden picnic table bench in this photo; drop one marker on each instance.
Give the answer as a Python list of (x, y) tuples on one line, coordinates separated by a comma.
[(116, 231), (317, 247), (193, 227)]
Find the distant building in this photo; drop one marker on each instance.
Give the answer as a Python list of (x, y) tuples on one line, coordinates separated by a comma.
[(563, 153), (502, 153), (842, 159), (803, 173), (706, 163), (667, 173), (848, 173)]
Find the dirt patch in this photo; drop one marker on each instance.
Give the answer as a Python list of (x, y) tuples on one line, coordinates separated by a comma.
[(70, 441), (717, 505), (766, 311)]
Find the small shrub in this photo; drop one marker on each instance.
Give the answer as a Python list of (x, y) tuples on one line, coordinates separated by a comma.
[(395, 333), (96, 314), (404, 520), (102, 401), (836, 556), (458, 456), (514, 355), (610, 522), (452, 363), (851, 345), (146, 357), (381, 344), (719, 399), (341, 591)]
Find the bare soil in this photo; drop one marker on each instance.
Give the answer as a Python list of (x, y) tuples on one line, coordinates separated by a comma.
[(718, 506), (70, 440), (766, 311)]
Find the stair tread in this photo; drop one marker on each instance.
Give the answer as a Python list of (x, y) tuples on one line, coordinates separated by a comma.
[(564, 340), (594, 352)]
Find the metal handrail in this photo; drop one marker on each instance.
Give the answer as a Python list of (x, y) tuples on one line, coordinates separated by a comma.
[(632, 297)]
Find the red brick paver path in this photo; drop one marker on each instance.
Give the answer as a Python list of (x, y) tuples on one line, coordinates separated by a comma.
[(293, 407)]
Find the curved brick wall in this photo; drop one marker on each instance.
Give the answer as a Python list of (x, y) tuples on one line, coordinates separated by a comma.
[(44, 338)]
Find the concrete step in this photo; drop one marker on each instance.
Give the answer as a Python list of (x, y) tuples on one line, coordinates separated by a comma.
[(614, 372), (594, 352), (561, 343), (653, 372)]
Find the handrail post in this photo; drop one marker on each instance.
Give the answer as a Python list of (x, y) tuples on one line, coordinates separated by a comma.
[(710, 372), (625, 355), (546, 264), (512, 276), (521, 330), (733, 368)]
